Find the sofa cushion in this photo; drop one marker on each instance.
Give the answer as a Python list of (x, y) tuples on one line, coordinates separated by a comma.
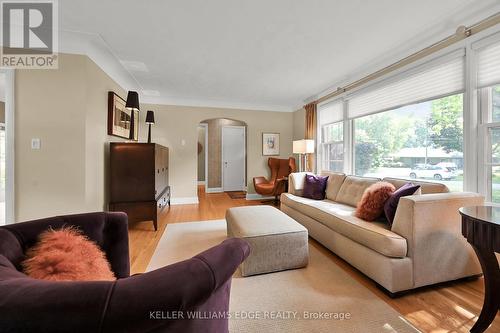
[(391, 204), (314, 187), (66, 255), (371, 206), (340, 218), (335, 181), (296, 182), (352, 189), (425, 187)]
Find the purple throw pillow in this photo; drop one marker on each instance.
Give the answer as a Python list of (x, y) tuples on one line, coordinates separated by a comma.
[(392, 203), (314, 187)]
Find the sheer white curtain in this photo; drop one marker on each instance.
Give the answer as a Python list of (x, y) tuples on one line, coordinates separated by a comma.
[(434, 79), (488, 61)]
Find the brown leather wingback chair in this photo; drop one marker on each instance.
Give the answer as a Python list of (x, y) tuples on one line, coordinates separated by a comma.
[(280, 169)]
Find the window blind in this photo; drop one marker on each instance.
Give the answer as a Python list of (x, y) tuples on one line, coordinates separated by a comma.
[(488, 63), (330, 112), (434, 79)]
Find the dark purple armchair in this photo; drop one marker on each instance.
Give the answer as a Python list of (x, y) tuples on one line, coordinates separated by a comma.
[(141, 303)]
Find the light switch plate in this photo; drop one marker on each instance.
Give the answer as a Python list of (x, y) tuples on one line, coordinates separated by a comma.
[(35, 143)]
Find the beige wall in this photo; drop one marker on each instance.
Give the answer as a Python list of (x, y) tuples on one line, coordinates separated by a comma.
[(215, 148), (67, 110), (177, 123)]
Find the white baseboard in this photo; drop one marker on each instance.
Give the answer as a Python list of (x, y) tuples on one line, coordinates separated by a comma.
[(255, 196), (215, 190), (184, 201), (201, 182)]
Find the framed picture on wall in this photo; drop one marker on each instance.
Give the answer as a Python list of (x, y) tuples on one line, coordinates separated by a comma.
[(270, 144), (119, 118)]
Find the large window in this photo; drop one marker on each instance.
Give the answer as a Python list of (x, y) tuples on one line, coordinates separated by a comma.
[(488, 84), (332, 147), (420, 141), (490, 110), (331, 136), (410, 124)]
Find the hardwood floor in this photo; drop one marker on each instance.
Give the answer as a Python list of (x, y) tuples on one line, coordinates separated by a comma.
[(453, 307)]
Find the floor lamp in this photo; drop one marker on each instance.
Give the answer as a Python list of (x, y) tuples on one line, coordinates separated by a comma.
[(302, 148)]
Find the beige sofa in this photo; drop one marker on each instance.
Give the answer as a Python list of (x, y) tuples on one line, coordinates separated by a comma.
[(424, 246)]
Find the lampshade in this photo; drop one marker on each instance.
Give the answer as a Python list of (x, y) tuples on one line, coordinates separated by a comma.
[(132, 100), (150, 117), (303, 146)]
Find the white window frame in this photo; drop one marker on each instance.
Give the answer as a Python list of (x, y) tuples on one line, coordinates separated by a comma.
[(320, 145), (484, 153)]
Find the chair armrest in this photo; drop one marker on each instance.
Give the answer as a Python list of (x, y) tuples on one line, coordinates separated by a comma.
[(280, 185), (177, 288), (109, 230), (259, 180), (432, 226)]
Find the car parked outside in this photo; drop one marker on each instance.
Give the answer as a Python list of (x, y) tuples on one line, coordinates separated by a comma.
[(432, 171)]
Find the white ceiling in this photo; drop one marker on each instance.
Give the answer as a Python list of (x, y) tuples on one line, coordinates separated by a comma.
[(263, 53)]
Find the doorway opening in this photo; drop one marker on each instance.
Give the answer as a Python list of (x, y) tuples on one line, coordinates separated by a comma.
[(222, 157), (6, 146)]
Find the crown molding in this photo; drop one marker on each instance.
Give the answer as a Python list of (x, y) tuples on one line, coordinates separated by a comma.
[(96, 48), (163, 100)]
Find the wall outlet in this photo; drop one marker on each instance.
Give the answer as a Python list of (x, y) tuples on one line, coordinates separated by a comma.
[(35, 143)]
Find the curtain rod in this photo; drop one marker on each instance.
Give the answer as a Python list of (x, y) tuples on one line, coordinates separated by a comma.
[(461, 34)]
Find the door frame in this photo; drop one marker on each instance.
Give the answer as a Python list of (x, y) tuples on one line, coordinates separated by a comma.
[(9, 145), (244, 154), (205, 147)]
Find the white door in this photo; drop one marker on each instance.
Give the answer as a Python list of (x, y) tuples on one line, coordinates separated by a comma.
[(233, 158)]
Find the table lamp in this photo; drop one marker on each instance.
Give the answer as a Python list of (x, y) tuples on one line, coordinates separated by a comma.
[(302, 148), (150, 120), (133, 105)]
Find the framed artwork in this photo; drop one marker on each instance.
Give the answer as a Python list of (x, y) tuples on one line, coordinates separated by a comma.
[(270, 144), (119, 118)]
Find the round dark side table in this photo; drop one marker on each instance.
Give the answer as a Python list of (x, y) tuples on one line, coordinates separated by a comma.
[(481, 227)]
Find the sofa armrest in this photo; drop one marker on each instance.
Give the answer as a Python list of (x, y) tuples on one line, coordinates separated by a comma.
[(296, 182), (30, 305), (432, 226), (175, 289), (109, 230)]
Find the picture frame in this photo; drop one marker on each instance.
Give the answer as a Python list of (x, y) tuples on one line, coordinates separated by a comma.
[(119, 118), (270, 144)]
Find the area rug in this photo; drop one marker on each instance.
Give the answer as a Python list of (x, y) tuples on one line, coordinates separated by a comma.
[(319, 298), (237, 194)]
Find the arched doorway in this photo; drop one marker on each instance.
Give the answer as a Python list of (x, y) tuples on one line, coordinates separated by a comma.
[(222, 160)]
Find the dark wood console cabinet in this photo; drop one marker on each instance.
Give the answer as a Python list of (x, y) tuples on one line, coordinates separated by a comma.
[(139, 180)]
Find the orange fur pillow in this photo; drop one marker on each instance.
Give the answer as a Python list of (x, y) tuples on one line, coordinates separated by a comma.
[(67, 255), (371, 206)]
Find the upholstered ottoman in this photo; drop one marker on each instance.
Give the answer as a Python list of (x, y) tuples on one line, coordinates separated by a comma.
[(277, 241)]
